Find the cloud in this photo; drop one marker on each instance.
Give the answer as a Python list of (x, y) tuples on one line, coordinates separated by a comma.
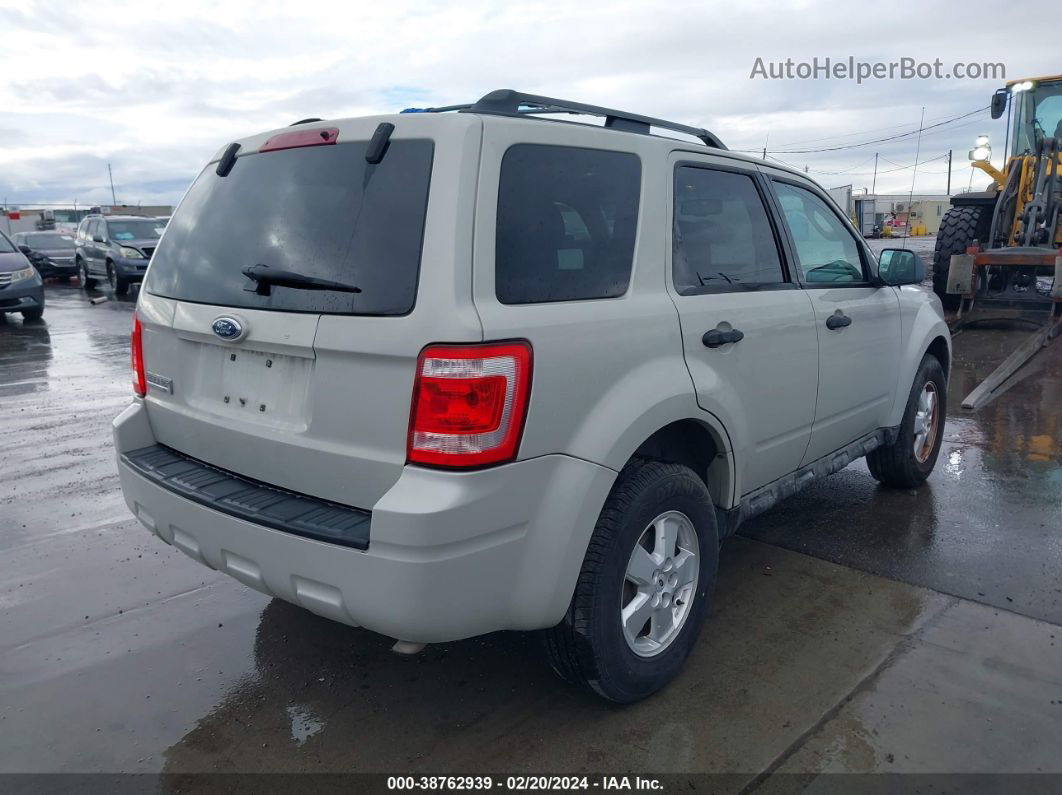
[(155, 88)]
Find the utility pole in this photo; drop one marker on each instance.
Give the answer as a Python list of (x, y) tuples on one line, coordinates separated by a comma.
[(111, 178), (765, 140), (949, 172), (874, 184)]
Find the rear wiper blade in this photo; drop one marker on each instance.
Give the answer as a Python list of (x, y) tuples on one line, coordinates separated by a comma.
[(265, 277)]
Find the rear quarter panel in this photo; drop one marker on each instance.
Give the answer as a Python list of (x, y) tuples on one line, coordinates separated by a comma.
[(608, 373)]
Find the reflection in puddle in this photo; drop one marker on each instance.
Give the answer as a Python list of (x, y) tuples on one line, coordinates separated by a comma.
[(304, 724)]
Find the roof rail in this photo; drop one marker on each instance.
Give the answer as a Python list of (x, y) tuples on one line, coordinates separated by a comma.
[(506, 102)]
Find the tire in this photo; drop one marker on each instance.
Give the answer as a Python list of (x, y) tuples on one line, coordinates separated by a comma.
[(590, 646), (87, 282), (118, 284), (33, 314), (897, 464), (960, 228)]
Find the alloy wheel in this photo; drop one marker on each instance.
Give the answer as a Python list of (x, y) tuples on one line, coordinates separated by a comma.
[(660, 583)]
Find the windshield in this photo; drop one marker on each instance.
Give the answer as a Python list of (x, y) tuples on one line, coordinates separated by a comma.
[(148, 229), (54, 241), (319, 211), (6, 246), (1039, 109)]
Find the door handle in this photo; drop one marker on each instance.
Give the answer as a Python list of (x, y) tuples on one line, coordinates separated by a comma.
[(837, 321), (717, 337)]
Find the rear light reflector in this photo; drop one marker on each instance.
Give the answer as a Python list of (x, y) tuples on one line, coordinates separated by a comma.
[(136, 349), (469, 404), (300, 138)]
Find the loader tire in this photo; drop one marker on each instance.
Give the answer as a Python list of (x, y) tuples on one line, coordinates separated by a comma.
[(959, 228)]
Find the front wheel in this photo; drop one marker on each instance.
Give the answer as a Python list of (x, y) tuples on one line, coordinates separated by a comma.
[(118, 284), (910, 458), (642, 594), (33, 314), (959, 228)]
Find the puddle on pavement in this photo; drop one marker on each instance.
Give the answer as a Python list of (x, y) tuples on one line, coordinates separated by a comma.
[(304, 724)]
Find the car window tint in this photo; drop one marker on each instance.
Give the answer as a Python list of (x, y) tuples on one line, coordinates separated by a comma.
[(567, 220), (827, 253), (722, 236), (321, 211)]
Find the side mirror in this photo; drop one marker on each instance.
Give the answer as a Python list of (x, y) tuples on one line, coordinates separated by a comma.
[(98, 239), (999, 103), (25, 250), (898, 266)]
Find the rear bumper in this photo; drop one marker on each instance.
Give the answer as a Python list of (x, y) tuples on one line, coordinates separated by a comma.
[(450, 555)]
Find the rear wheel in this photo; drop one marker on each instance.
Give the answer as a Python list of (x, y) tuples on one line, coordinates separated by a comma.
[(910, 458), (87, 282), (118, 284), (960, 228), (643, 590)]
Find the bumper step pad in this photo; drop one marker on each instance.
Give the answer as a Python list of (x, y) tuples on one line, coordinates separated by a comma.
[(237, 496)]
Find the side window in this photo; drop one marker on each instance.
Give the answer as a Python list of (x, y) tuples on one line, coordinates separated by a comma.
[(721, 235), (826, 251), (567, 220)]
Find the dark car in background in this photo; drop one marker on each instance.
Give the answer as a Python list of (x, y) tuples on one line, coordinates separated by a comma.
[(50, 252), (21, 287), (115, 248)]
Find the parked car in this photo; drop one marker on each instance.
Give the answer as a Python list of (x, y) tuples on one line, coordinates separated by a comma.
[(21, 287), (51, 253), (481, 370), (116, 248)]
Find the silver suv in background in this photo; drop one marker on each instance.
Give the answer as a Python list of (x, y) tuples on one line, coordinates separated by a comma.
[(439, 374), (115, 248)]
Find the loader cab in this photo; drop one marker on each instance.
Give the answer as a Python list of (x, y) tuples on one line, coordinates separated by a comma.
[(1036, 107)]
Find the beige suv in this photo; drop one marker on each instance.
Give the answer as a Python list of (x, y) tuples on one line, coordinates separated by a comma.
[(480, 368)]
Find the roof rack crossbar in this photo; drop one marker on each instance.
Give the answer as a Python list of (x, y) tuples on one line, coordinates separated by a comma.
[(506, 102)]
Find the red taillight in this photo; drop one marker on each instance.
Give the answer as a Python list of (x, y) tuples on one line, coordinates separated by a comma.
[(136, 349), (469, 404)]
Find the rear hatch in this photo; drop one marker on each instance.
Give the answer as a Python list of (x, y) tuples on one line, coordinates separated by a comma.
[(309, 389)]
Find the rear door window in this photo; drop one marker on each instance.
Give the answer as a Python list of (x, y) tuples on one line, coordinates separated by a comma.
[(567, 221), (722, 236), (320, 211)]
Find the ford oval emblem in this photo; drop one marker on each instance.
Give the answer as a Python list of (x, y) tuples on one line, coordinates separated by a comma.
[(228, 328)]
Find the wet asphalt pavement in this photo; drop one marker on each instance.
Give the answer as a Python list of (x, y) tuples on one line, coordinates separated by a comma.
[(853, 629)]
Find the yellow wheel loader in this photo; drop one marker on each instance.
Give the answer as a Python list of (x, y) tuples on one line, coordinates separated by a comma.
[(998, 254)]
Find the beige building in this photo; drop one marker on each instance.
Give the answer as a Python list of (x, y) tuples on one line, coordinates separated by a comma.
[(922, 211)]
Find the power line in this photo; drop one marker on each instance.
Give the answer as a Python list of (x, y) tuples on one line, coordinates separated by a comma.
[(873, 141), (854, 173), (857, 132)]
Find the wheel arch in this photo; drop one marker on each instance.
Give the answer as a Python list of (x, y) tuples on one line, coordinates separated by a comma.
[(683, 434), (929, 334)]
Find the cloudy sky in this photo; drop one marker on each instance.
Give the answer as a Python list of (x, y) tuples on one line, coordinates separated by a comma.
[(155, 88)]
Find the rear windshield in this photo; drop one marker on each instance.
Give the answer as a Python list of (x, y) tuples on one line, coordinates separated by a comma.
[(319, 211)]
